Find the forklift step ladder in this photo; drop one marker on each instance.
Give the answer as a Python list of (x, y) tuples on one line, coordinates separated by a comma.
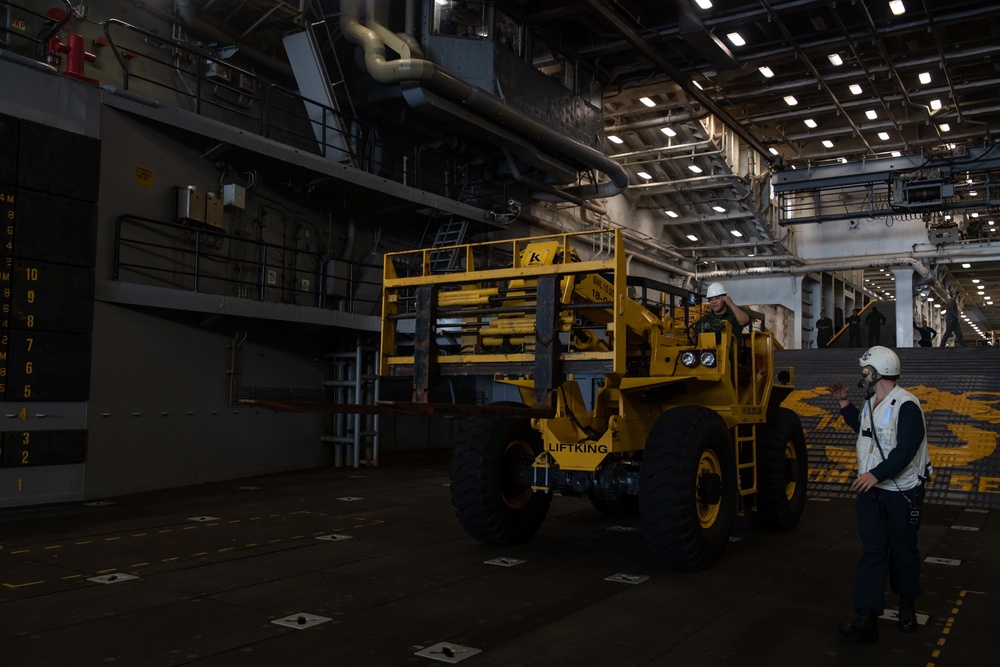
[(354, 436)]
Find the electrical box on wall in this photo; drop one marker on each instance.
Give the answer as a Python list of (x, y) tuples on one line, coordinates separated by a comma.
[(234, 195), (190, 204)]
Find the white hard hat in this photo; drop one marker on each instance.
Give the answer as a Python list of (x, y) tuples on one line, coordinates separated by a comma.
[(883, 360), (715, 289)]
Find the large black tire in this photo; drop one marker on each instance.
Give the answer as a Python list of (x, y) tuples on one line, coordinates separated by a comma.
[(687, 488), (782, 470), (490, 503)]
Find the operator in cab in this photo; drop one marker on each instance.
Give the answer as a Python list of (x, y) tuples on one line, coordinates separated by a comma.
[(724, 308)]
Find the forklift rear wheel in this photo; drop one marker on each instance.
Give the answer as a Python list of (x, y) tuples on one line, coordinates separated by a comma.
[(687, 487), (492, 502), (782, 469)]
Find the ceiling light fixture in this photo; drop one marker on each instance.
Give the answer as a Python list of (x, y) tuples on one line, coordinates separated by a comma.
[(697, 85), (704, 4), (924, 77), (695, 168), (615, 139), (827, 143), (855, 88), (935, 105), (668, 131), (766, 71), (719, 209), (790, 100), (809, 122), (944, 127), (884, 136), (692, 237), (897, 7), (643, 174), (835, 59), (774, 151), (872, 114), (648, 102), (736, 39), (896, 154), (672, 214), (735, 232), (966, 266), (843, 160)]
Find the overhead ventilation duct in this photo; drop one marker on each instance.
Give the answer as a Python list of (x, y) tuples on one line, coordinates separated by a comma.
[(415, 71)]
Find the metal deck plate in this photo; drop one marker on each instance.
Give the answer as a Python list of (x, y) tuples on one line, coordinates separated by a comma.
[(301, 621), (447, 652), (623, 578), (334, 537), (504, 562), (113, 578)]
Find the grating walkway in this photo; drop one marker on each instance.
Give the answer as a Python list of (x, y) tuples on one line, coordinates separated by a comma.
[(959, 389)]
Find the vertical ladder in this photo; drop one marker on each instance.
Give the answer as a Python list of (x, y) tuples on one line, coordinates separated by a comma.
[(746, 457), (354, 436), (450, 233)]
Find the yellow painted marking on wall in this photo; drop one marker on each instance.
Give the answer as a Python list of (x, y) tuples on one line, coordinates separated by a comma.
[(111, 539), (166, 530), (273, 541), (110, 569), (138, 564), (140, 534), (299, 537), (319, 532), (30, 583), (200, 553), (212, 524), (226, 549), (189, 527), (84, 542), (21, 551), (167, 560), (72, 576), (252, 544), (235, 521), (54, 546)]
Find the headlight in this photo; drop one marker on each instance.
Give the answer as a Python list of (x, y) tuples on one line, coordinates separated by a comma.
[(708, 358), (689, 359)]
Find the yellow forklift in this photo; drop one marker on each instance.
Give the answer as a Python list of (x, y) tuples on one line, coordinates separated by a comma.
[(627, 397)]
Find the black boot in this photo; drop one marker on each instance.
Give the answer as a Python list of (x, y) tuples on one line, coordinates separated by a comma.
[(863, 629), (907, 616)]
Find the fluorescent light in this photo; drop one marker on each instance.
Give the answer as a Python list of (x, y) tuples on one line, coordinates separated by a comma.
[(967, 266), (648, 102), (672, 214), (827, 143), (719, 209), (774, 151), (668, 131), (809, 122), (896, 154), (766, 71), (975, 281), (872, 114), (855, 88), (884, 136), (692, 237), (735, 232), (736, 39), (897, 7), (935, 105), (704, 4), (925, 77), (643, 174), (790, 100), (695, 168), (835, 59), (442, 2), (843, 160), (615, 139), (944, 127), (697, 85)]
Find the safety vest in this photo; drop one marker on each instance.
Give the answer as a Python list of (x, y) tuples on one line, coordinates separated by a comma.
[(885, 420)]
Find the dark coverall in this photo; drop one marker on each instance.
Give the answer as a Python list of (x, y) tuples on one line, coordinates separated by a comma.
[(888, 535), (874, 320), (854, 331)]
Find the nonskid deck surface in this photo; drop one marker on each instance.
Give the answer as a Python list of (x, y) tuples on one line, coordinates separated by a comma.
[(217, 565)]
